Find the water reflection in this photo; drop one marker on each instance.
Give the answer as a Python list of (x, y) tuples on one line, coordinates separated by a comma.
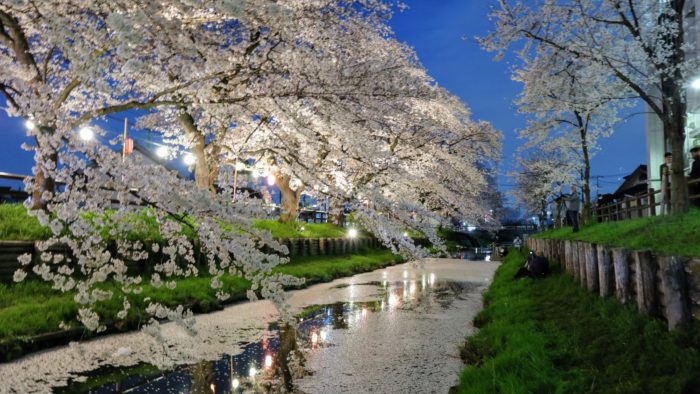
[(475, 254), (275, 362)]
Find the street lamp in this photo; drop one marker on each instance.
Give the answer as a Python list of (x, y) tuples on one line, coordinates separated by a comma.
[(162, 152), (29, 124), (86, 134), (695, 84), (189, 159)]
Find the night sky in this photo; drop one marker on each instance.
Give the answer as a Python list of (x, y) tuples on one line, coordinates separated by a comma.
[(442, 33)]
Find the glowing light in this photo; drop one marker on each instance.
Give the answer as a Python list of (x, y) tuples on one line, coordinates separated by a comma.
[(352, 233), (314, 338), (29, 124), (162, 152), (270, 179), (384, 274), (405, 274), (235, 383), (405, 234), (471, 228), (488, 257), (268, 361), (213, 388), (695, 84), (189, 159), (86, 134), (252, 371), (324, 335), (301, 228), (432, 279), (364, 312), (393, 299)]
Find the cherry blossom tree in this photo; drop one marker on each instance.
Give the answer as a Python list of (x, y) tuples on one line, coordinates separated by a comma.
[(542, 173), (316, 91), (570, 101), (640, 44)]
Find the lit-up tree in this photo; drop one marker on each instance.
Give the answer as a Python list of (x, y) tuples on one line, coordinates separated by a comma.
[(639, 44)]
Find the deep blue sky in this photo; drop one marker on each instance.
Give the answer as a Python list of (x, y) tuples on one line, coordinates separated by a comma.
[(442, 33)]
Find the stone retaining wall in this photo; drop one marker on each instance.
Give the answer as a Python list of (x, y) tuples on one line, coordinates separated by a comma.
[(661, 286), (298, 247)]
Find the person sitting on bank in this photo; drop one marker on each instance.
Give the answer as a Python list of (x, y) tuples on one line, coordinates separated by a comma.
[(517, 242), (536, 266)]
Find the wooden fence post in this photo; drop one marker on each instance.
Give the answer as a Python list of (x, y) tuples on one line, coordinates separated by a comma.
[(674, 285), (645, 276), (606, 283), (591, 267), (621, 261), (581, 252)]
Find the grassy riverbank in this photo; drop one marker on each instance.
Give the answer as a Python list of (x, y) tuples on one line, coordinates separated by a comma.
[(550, 335), (17, 225), (673, 235), (32, 308)]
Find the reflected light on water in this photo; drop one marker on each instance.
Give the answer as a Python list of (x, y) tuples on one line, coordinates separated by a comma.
[(393, 299)]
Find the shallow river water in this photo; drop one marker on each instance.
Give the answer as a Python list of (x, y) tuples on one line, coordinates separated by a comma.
[(393, 330)]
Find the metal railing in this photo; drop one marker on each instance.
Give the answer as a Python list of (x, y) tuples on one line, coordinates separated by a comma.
[(642, 205)]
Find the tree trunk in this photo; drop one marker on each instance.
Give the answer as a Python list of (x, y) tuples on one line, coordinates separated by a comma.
[(674, 106), (42, 182), (586, 173), (336, 212), (290, 198), (202, 170)]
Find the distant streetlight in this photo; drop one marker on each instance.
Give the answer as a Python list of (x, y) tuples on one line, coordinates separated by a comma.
[(162, 152), (86, 134), (189, 159), (695, 84), (29, 124)]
